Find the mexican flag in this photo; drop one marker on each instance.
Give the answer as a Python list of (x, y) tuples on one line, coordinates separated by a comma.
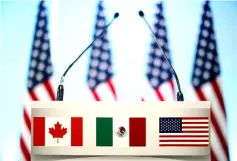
[(54, 131), (121, 132)]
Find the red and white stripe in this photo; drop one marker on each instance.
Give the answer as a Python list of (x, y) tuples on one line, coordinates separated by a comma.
[(218, 129), (41, 92), (165, 92), (194, 133), (105, 91)]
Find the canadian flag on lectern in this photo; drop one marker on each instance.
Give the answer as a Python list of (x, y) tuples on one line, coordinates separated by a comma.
[(52, 131)]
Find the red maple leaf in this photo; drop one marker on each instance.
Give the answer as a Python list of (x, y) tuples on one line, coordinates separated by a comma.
[(57, 132)]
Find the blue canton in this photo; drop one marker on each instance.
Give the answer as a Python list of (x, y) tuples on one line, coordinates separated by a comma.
[(206, 67), (158, 70), (40, 62), (100, 68), (170, 125)]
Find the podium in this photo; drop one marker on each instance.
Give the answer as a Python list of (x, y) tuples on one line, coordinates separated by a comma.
[(162, 131)]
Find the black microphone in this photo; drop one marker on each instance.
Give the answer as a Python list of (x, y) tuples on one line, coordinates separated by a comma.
[(180, 96), (60, 91)]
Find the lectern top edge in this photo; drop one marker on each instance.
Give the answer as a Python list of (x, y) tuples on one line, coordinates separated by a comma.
[(105, 104)]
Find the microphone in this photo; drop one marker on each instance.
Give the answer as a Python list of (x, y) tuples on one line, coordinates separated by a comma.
[(180, 96), (60, 91)]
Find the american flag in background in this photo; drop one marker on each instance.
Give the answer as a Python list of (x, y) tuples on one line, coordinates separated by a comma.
[(158, 72), (100, 75), (184, 131), (39, 85), (206, 82)]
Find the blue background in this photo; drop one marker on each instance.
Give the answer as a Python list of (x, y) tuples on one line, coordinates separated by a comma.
[(71, 28)]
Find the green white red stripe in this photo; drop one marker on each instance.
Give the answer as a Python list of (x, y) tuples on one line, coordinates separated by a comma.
[(107, 131)]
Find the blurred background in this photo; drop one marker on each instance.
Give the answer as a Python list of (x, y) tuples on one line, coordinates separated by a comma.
[(71, 26)]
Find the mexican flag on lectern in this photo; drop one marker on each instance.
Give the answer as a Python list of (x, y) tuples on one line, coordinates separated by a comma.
[(120, 131), (68, 131)]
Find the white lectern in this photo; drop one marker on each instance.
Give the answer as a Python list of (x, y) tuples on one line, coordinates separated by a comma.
[(64, 130)]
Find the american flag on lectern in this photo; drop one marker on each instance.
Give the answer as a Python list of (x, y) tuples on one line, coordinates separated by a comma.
[(205, 80), (39, 78), (100, 75), (184, 131), (158, 72)]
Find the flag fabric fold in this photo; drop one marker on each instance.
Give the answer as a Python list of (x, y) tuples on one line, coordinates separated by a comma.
[(39, 86), (207, 85), (100, 74), (161, 86)]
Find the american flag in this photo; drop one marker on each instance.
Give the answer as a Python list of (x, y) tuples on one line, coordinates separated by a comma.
[(184, 131), (39, 85), (158, 72), (100, 75), (207, 85)]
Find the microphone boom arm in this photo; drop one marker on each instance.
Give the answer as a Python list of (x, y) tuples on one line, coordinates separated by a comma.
[(179, 94), (69, 67), (60, 91)]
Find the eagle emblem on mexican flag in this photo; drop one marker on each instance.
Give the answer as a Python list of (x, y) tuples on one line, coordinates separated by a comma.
[(121, 131)]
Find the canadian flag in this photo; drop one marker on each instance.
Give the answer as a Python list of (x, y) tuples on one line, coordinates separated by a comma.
[(54, 131)]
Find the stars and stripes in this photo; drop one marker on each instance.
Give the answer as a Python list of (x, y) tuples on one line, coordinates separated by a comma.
[(158, 73), (39, 85), (184, 131), (206, 82), (100, 75)]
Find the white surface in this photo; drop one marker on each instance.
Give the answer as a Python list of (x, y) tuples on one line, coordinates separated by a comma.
[(117, 122)]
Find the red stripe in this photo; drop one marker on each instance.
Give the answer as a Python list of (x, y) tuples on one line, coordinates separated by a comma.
[(171, 82), (27, 120), (194, 122), (137, 135), (193, 131), (219, 134), (49, 88), (196, 127), (183, 136), (213, 156), (39, 131), (76, 131), (33, 95), (96, 96), (159, 95), (111, 86), (192, 145), (194, 118), (219, 96), (200, 95), (24, 150), (215, 125), (184, 141)]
